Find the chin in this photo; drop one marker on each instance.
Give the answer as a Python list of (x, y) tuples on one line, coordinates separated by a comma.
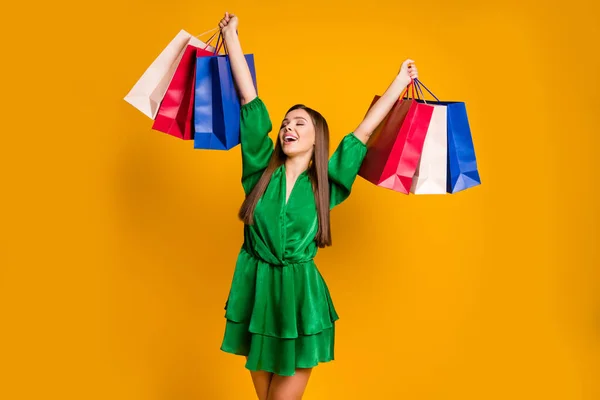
[(295, 152), (289, 152)]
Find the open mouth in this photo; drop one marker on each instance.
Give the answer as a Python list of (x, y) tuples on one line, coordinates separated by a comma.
[(290, 138)]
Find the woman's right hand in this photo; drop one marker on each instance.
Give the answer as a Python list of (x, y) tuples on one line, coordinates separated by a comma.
[(229, 23)]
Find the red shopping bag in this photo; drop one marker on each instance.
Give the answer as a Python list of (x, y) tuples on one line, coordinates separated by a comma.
[(394, 149), (175, 114)]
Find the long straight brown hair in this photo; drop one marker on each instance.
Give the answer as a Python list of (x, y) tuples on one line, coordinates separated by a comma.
[(317, 172)]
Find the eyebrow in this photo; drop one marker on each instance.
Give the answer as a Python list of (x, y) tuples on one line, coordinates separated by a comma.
[(296, 118)]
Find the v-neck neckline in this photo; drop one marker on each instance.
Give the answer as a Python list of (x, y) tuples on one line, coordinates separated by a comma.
[(286, 198)]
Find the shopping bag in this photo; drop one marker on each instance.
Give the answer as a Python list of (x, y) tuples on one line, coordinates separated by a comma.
[(394, 148), (173, 116), (189, 125), (148, 92), (462, 162), (462, 172), (216, 103), (430, 176)]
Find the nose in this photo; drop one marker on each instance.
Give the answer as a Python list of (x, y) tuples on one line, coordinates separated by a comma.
[(288, 128)]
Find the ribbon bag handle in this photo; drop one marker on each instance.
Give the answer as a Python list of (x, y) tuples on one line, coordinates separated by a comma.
[(406, 92), (420, 92), (219, 44), (224, 43), (419, 84), (208, 31)]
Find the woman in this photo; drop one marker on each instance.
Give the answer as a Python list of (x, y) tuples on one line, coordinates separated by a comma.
[(279, 313)]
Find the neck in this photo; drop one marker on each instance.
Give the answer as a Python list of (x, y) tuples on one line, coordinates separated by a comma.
[(296, 165)]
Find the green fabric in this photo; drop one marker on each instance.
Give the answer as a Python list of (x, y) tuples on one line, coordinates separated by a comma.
[(279, 311)]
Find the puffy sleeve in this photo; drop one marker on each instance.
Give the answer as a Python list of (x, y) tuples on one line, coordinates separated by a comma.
[(257, 146), (344, 165)]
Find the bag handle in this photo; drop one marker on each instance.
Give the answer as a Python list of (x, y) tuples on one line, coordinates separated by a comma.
[(420, 92), (209, 41), (406, 93), (220, 43), (419, 84), (208, 31), (225, 44)]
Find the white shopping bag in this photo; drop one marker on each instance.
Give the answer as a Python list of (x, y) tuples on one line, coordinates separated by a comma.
[(147, 94), (430, 176)]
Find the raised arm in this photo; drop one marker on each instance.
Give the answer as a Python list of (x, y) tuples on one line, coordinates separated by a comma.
[(239, 66), (255, 123), (382, 107)]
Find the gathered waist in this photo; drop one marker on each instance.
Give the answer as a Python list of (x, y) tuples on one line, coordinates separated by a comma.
[(275, 261)]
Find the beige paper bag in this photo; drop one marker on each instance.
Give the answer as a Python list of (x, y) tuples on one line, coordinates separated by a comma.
[(147, 94), (430, 176)]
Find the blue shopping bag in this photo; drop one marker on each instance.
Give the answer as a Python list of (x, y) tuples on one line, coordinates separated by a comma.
[(217, 104), (462, 172)]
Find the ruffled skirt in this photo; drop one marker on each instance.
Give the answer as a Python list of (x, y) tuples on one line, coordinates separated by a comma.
[(280, 317)]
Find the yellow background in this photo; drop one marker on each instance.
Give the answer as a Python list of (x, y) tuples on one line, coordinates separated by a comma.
[(119, 242)]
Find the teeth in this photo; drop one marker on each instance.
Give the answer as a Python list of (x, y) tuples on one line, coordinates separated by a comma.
[(289, 139)]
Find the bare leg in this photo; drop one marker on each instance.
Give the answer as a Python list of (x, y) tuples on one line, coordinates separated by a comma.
[(289, 387), (261, 380)]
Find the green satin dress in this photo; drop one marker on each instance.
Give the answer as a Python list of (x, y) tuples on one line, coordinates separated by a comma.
[(279, 312)]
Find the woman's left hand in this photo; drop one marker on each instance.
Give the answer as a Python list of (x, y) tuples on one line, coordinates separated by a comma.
[(408, 71)]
